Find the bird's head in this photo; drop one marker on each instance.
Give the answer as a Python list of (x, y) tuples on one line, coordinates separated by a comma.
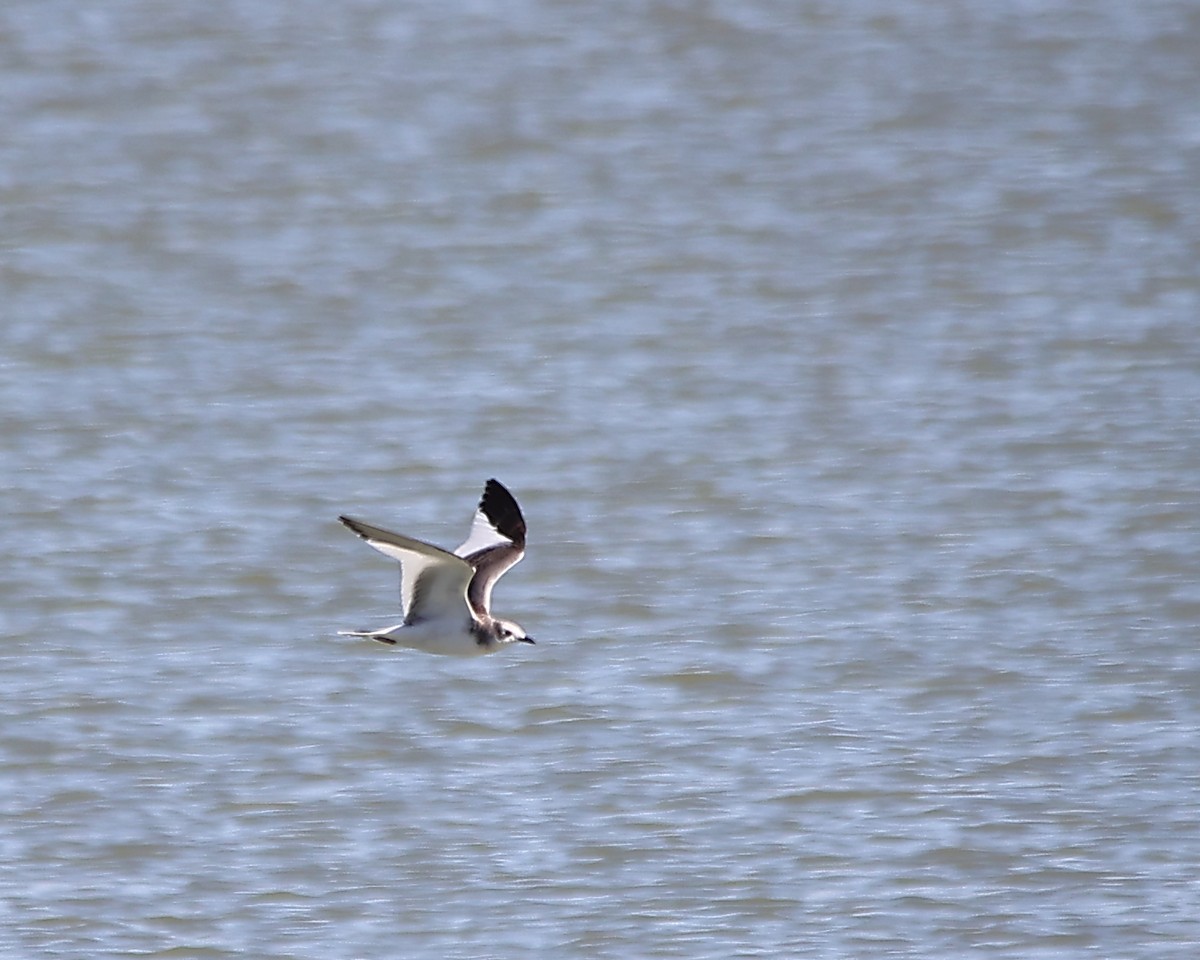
[(509, 632)]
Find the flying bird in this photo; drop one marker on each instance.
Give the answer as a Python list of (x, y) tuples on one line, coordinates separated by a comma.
[(447, 597)]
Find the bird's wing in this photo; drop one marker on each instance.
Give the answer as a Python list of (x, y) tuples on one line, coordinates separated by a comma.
[(495, 543), (433, 581)]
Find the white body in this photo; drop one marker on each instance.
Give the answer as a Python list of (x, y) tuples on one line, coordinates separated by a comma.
[(450, 637)]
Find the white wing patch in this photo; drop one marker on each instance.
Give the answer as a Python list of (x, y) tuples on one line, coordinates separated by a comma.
[(433, 583), (482, 536)]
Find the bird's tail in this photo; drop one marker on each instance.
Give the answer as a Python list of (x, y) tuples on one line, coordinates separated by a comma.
[(366, 635)]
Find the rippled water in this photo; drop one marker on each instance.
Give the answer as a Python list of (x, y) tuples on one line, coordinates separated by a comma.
[(844, 358)]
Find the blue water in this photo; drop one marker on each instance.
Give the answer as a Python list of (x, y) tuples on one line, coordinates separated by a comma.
[(843, 358)]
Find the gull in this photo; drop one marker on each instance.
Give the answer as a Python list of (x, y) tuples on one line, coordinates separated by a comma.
[(447, 597)]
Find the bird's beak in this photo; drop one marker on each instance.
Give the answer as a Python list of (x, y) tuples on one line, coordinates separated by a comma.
[(528, 640)]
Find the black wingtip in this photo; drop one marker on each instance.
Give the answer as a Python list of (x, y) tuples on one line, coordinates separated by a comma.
[(500, 507)]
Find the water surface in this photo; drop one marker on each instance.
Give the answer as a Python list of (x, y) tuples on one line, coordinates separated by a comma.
[(844, 360)]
